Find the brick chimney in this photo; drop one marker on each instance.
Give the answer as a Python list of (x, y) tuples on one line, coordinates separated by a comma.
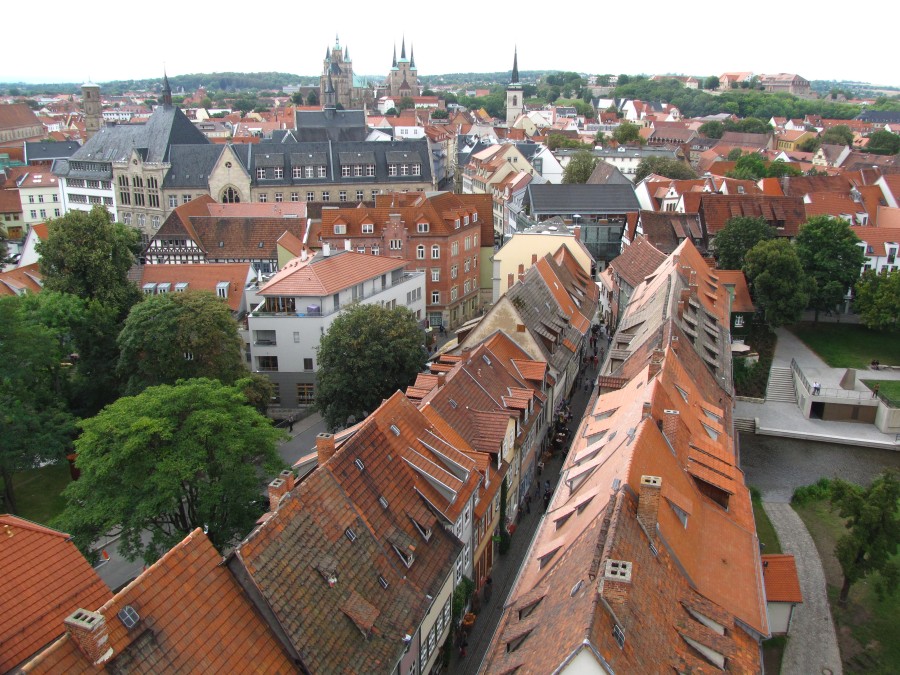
[(277, 490), (91, 635), (288, 477), (577, 232), (645, 412), (510, 279), (648, 502), (533, 258), (656, 359), (670, 425), (441, 380), (324, 447), (615, 582)]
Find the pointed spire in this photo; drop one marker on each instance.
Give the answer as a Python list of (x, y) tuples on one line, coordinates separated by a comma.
[(167, 91), (346, 53), (403, 49), (327, 54), (394, 62), (412, 58), (329, 85), (337, 42), (515, 70)]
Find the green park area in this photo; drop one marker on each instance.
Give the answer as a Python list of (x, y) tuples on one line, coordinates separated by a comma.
[(39, 492), (845, 345)]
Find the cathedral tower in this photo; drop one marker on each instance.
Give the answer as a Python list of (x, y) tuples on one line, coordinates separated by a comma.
[(514, 94), (90, 105)]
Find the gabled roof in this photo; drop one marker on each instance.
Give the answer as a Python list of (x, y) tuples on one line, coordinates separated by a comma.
[(17, 115), (323, 275), (44, 578), (784, 213), (782, 581), (193, 617), (637, 261), (202, 277), (667, 229), (21, 280), (876, 238)]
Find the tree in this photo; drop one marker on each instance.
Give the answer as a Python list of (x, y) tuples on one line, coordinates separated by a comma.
[(831, 257), (88, 255), (711, 83), (439, 114), (780, 168), (878, 299), (392, 111), (600, 138), (367, 354), (664, 166), (407, 103), (179, 335), (5, 258), (734, 154), (34, 425), (837, 135), (712, 129), (873, 532), (626, 133), (580, 167), (171, 459), (739, 235), (312, 98), (748, 125), (883, 143), (748, 167), (780, 287)]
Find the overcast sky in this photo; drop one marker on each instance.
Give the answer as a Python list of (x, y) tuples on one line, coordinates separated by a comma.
[(107, 42)]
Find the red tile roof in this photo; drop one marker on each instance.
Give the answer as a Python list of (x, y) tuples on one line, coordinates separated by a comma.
[(20, 280), (324, 275), (637, 261), (784, 213), (203, 277), (44, 578), (780, 575), (193, 618)]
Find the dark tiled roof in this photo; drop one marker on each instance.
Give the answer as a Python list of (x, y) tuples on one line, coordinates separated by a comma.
[(191, 165), (879, 116), (637, 261), (330, 125), (555, 199), (607, 174), (44, 150), (667, 229)]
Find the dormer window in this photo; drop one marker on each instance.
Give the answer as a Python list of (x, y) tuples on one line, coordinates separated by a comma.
[(368, 228), (424, 531), (422, 228), (407, 557), (340, 228)]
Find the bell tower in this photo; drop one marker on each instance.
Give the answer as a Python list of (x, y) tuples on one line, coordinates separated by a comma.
[(90, 104), (514, 93)]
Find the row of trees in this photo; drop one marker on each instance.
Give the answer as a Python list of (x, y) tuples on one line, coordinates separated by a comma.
[(815, 270)]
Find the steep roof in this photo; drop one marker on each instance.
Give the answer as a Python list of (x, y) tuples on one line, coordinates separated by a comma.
[(193, 617), (44, 578), (17, 115), (784, 213), (21, 280), (637, 261), (667, 229)]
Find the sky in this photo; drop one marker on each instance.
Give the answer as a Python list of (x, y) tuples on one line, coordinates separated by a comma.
[(140, 40)]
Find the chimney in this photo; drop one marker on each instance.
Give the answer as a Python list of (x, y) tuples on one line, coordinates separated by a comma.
[(288, 477), (646, 409), (346, 244), (91, 635), (533, 258), (670, 422), (615, 582), (324, 447), (648, 502), (656, 359), (326, 249), (442, 380), (510, 279), (577, 232), (277, 490)]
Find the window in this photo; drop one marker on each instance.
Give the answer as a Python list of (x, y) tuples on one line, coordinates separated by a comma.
[(370, 170), (297, 172), (466, 266), (342, 196), (321, 172), (738, 320), (307, 364), (468, 243), (404, 169), (173, 201), (435, 273), (263, 198), (467, 286), (392, 169), (140, 220), (279, 172), (267, 363), (373, 194), (420, 252), (396, 244), (154, 221), (435, 297), (421, 228), (230, 196), (359, 195), (376, 250), (326, 196), (416, 169), (309, 172), (466, 220), (454, 270), (310, 196), (306, 394), (279, 196), (454, 292), (56, 212), (456, 224), (340, 228), (260, 173), (454, 248), (368, 228), (295, 196), (187, 198), (357, 170), (127, 219), (345, 171), (435, 252), (31, 199), (360, 249)]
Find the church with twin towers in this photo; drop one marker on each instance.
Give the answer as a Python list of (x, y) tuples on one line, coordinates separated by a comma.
[(354, 92)]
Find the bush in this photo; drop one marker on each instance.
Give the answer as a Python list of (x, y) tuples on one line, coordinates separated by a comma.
[(461, 596), (819, 490)]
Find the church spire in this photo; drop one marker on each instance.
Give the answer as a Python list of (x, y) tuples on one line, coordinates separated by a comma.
[(167, 91), (328, 95), (403, 49), (515, 70), (394, 62), (346, 53), (412, 58), (337, 42), (327, 54)]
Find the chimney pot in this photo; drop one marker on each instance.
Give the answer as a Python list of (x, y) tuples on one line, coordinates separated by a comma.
[(288, 477), (648, 502), (91, 635), (277, 490), (670, 425), (324, 447), (533, 258), (615, 582)]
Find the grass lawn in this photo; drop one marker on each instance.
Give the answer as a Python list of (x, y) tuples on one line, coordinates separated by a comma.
[(847, 345), (773, 651), (38, 492), (866, 627), (764, 528), (889, 389)]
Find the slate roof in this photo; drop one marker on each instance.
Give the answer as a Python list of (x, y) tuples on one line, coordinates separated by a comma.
[(607, 174), (44, 578), (36, 151), (879, 116), (322, 275), (330, 125), (559, 199), (193, 618), (345, 521), (191, 166)]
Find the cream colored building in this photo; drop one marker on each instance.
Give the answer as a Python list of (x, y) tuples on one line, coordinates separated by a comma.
[(520, 252)]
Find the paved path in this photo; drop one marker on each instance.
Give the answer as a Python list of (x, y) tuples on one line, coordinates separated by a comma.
[(812, 647)]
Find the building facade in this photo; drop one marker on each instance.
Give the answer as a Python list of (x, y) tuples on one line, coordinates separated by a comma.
[(350, 91)]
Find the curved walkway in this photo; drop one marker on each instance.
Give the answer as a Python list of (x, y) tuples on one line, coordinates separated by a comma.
[(812, 647)]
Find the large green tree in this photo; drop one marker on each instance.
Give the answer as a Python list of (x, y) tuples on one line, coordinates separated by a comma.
[(34, 424), (172, 336), (740, 234), (368, 353), (171, 459), (777, 279), (873, 532), (627, 132), (883, 143), (831, 257), (878, 299), (88, 255), (580, 167), (713, 128), (4, 248), (664, 166)]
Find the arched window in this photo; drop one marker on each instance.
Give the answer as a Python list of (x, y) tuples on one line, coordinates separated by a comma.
[(230, 196)]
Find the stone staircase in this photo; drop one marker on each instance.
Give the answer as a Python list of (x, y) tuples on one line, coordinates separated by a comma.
[(781, 385), (745, 425)]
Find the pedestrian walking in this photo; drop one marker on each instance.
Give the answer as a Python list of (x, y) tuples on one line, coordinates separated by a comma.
[(291, 424), (875, 390), (547, 485), (587, 386), (816, 387), (488, 589), (546, 499), (596, 361), (528, 503)]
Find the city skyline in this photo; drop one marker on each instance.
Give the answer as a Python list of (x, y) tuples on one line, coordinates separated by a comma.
[(184, 39)]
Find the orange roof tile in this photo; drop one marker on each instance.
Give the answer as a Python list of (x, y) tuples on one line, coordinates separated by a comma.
[(203, 277), (324, 275), (780, 575)]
